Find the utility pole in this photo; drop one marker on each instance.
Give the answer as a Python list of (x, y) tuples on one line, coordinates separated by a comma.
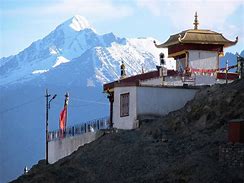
[(47, 108)]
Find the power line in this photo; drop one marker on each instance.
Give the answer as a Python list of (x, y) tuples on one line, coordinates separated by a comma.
[(20, 105), (84, 103), (90, 101), (73, 99)]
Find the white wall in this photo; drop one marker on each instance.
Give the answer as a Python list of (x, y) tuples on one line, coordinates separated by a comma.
[(155, 81), (181, 64), (205, 80), (169, 81), (126, 122), (199, 59), (177, 81), (161, 101), (59, 149), (173, 81), (144, 100)]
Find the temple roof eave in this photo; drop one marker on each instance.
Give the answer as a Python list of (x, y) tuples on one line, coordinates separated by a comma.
[(197, 37), (166, 44), (225, 44)]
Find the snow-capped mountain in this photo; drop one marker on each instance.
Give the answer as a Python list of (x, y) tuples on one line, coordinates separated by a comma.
[(73, 58), (71, 40)]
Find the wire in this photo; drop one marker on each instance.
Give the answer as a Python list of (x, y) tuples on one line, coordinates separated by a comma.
[(87, 103), (20, 105), (73, 99), (90, 101)]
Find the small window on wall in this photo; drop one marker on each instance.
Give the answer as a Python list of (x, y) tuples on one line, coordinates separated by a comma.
[(124, 104)]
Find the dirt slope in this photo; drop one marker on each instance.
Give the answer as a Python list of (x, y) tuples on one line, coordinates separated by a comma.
[(180, 147)]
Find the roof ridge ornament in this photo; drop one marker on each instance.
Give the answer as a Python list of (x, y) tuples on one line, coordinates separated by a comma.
[(180, 38), (156, 45), (236, 39), (196, 23)]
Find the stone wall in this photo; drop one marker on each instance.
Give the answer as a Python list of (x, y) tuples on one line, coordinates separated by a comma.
[(232, 155), (61, 148)]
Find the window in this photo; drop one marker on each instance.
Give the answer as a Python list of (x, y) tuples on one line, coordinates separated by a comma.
[(124, 104)]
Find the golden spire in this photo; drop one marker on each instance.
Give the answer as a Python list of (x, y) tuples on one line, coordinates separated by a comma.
[(196, 23)]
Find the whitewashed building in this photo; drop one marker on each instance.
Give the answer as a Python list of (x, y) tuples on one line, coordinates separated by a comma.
[(136, 96), (197, 52), (159, 92)]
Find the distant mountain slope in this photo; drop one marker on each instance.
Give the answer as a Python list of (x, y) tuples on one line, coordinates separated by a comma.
[(231, 57)]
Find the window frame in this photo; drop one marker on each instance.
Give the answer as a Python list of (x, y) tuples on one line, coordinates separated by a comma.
[(123, 101)]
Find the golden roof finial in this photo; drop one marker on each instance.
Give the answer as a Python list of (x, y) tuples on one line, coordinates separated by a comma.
[(196, 23)]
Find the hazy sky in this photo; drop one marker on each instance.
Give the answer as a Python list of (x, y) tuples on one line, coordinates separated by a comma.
[(25, 21)]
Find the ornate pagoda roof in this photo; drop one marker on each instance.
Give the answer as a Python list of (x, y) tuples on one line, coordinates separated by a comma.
[(197, 36)]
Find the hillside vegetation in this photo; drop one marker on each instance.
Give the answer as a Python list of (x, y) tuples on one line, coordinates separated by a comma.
[(180, 147)]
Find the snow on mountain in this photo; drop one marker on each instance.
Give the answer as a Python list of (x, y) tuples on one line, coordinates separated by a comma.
[(72, 39), (68, 41), (136, 54), (79, 23)]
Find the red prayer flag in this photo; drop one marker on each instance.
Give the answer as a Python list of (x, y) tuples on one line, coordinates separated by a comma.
[(62, 119)]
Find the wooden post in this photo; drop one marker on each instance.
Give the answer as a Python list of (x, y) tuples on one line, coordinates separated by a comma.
[(111, 100), (242, 69), (240, 62), (226, 73)]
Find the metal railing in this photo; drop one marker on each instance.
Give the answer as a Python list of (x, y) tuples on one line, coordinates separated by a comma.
[(90, 126)]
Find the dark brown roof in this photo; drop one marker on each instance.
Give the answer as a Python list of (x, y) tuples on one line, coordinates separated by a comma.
[(230, 76), (132, 79), (137, 78), (198, 36)]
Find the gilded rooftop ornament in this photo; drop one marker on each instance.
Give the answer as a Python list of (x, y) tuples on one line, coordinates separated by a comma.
[(196, 23)]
